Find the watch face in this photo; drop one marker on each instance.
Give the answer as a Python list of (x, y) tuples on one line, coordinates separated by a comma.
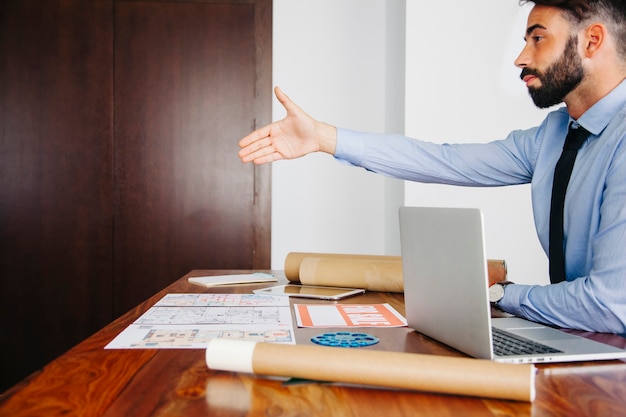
[(496, 292)]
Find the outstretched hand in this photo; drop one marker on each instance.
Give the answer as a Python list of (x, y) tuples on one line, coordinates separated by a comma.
[(294, 136)]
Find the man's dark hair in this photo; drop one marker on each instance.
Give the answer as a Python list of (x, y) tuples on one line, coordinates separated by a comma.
[(612, 13)]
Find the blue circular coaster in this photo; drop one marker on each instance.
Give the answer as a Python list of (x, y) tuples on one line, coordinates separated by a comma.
[(345, 339)]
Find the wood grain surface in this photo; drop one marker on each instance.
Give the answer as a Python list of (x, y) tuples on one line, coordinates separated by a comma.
[(91, 381)]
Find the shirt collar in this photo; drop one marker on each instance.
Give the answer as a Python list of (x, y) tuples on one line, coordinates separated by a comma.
[(598, 116)]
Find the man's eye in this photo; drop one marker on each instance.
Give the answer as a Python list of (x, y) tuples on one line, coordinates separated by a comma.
[(537, 38)]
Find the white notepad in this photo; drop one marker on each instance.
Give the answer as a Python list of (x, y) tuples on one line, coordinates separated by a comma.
[(211, 281)]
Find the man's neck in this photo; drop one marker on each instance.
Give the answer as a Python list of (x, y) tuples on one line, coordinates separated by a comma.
[(589, 92)]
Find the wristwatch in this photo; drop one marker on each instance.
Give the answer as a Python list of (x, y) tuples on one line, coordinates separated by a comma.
[(496, 291)]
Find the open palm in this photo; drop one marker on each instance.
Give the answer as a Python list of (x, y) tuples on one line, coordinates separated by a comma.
[(292, 137)]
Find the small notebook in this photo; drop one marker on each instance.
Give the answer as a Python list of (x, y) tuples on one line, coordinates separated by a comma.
[(211, 281)]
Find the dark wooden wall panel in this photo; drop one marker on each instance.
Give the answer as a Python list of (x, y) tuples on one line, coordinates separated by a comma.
[(119, 123), (56, 221), (183, 198)]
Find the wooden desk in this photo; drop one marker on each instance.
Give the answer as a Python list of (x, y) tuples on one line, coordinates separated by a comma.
[(91, 381)]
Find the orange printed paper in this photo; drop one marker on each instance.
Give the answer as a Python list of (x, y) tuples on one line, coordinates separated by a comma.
[(348, 315)]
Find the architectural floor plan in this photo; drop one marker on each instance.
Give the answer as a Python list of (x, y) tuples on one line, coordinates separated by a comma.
[(180, 321)]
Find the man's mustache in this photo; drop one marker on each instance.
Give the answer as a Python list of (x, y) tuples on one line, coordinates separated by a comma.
[(529, 71)]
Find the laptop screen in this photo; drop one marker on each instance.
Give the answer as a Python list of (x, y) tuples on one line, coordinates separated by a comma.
[(445, 277)]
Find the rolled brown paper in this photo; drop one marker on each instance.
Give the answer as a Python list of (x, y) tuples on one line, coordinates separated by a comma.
[(294, 259), (496, 269), (428, 373), (371, 272)]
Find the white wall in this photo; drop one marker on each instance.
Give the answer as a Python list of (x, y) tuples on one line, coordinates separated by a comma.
[(462, 86), (331, 58), (343, 61)]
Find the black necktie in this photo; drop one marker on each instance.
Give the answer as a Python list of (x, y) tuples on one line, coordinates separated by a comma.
[(562, 172)]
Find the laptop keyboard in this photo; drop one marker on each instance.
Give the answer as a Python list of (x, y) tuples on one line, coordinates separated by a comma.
[(507, 344)]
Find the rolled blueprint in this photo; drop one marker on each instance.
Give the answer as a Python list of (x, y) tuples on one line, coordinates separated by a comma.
[(371, 272), (428, 373)]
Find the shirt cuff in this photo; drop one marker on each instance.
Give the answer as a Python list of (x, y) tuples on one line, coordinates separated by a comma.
[(350, 147), (514, 294)]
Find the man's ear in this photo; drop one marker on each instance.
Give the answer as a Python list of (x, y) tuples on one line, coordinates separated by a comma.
[(594, 37)]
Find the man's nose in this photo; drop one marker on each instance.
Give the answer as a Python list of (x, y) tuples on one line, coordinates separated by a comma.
[(523, 59)]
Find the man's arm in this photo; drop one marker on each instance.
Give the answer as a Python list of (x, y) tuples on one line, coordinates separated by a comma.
[(577, 304)]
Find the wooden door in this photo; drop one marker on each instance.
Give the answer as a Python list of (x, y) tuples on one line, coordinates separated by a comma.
[(191, 78)]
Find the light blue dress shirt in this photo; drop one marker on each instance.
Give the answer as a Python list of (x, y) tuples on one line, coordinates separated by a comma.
[(594, 295)]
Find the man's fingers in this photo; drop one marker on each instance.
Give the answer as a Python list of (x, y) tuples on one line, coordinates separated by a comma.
[(260, 151), (255, 136), (274, 156), (252, 150)]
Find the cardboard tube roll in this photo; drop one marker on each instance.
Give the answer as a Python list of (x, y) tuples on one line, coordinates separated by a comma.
[(429, 373), (294, 259), (373, 275), (496, 269), (370, 272)]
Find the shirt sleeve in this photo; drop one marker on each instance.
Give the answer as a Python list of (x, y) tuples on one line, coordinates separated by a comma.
[(505, 162), (579, 304)]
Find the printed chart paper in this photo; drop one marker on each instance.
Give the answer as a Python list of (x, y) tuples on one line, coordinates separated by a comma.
[(189, 321), (209, 300), (348, 315)]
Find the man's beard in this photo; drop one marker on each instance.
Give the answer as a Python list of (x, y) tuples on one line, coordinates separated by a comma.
[(559, 79)]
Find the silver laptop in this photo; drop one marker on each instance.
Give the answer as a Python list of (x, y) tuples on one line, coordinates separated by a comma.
[(446, 292)]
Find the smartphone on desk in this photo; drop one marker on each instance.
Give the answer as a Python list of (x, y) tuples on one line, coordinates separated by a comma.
[(310, 291)]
